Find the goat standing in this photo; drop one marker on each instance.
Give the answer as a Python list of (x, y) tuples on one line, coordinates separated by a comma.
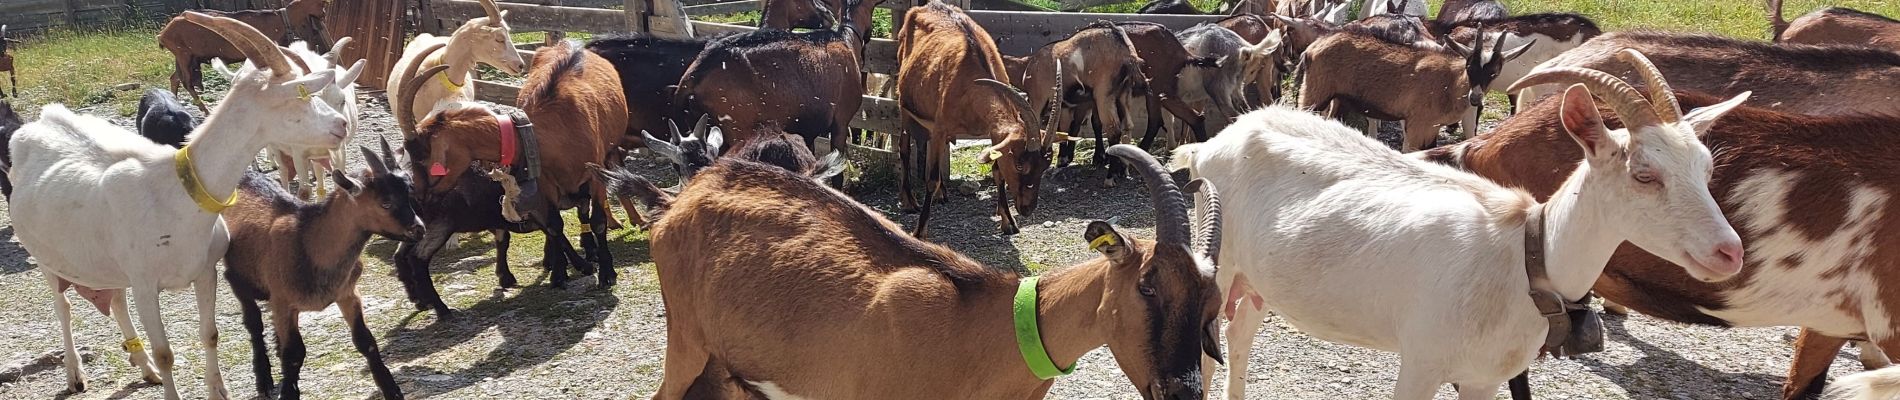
[(97, 204), (301, 257), (191, 45), (1337, 215)]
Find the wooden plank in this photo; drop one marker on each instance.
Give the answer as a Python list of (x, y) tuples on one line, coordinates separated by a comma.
[(528, 17), (875, 113), (730, 7), (1020, 32)]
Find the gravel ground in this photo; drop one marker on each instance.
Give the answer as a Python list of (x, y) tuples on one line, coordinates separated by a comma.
[(535, 342)]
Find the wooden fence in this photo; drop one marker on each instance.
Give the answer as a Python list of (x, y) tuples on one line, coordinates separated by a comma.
[(1016, 33)]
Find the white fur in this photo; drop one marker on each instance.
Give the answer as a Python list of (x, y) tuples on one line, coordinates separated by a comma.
[(1881, 384), (103, 208), (475, 41), (1354, 243)]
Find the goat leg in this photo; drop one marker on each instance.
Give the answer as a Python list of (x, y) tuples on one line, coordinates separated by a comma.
[(1813, 354), (260, 355), (290, 349), (507, 277), (352, 307)]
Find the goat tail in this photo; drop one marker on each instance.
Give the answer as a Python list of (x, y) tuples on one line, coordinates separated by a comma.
[(1880, 384), (624, 184)]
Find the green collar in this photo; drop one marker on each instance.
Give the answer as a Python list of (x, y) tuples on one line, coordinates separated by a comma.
[(1028, 337)]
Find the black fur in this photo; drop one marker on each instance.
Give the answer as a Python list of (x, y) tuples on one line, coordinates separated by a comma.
[(163, 119)]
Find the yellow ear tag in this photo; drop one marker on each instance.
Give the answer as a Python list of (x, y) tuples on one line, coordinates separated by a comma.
[(303, 93), (1107, 239), (134, 345)]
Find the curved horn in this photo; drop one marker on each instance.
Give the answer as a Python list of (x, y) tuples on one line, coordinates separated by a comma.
[(405, 110), (1629, 105), (336, 50), (493, 10), (1171, 220), (294, 59), (261, 50), (405, 102), (1028, 113), (1661, 96), (1208, 239)]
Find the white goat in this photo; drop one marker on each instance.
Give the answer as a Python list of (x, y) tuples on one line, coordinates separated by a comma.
[(1339, 222), (105, 208), (483, 39), (306, 168)]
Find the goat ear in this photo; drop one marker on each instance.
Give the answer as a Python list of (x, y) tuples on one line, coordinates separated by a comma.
[(350, 75), (1701, 119), (1102, 237), (1585, 125), (344, 182), (663, 148)]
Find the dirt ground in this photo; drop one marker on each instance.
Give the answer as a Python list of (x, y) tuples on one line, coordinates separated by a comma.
[(543, 343)]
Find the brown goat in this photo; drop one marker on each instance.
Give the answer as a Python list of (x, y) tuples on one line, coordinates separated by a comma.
[(574, 97), (1836, 25), (1804, 191), (751, 252), (192, 45), (1355, 72), (1803, 79), (6, 62), (941, 53), (1100, 60), (301, 257)]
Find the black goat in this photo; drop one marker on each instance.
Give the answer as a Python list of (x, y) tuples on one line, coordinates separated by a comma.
[(163, 119)]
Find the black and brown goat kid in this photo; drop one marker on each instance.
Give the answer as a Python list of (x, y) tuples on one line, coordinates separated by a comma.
[(301, 257)]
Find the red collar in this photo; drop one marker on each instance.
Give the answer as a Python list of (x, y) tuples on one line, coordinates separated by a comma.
[(508, 138)]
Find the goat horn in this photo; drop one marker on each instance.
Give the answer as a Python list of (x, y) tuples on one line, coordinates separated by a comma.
[(1661, 96), (1171, 221), (249, 42), (294, 59), (404, 104), (405, 112), (1209, 236), (1629, 105), (493, 10), (1027, 113), (336, 50)]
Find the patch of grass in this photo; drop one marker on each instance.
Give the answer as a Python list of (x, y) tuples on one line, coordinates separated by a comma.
[(80, 67), (1742, 19)]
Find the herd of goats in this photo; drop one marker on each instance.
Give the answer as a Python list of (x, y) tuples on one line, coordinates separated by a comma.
[(1689, 147)]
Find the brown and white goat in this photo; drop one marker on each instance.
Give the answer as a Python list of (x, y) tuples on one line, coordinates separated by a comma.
[(192, 45), (751, 251), (941, 53), (1809, 196), (1355, 72), (1836, 25), (1101, 60), (579, 113), (6, 62), (1804, 79), (301, 257)]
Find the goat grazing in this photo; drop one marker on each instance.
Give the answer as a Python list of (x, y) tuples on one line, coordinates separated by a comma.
[(1793, 185), (483, 39), (941, 52), (1836, 25), (97, 204), (301, 257), (1335, 212), (1803, 79), (304, 167), (862, 291), (163, 119), (573, 96), (192, 45), (6, 62), (1354, 72)]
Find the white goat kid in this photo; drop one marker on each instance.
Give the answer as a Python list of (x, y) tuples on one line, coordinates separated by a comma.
[(485, 40), (306, 168), (104, 208), (1340, 221)]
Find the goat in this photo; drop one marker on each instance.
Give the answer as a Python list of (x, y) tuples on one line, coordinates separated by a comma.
[(483, 40), (1179, 7), (163, 119), (302, 257), (84, 185), (1545, 35), (6, 62), (1265, 75), (1802, 79), (1460, 12), (1102, 62), (304, 167), (1155, 300), (1354, 72), (940, 53), (1334, 212), (1416, 8), (192, 45), (1220, 89), (574, 96), (1762, 158), (808, 83), (1836, 25)]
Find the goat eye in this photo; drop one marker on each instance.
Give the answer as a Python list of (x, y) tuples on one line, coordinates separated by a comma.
[(1645, 177)]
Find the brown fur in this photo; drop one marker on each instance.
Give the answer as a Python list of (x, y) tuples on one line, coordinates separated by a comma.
[(1831, 153), (1844, 26), (737, 272), (192, 45), (941, 55), (1789, 78)]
